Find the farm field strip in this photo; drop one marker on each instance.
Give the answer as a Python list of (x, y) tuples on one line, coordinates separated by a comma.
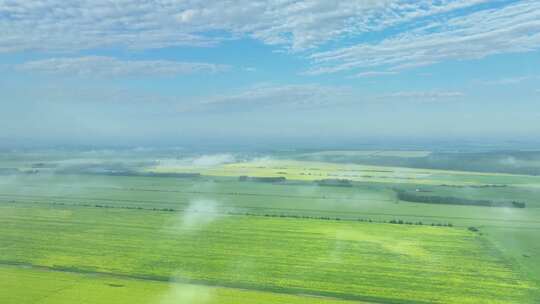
[(243, 237), (354, 193), (308, 170), (366, 191), (4, 265), (397, 153), (321, 197), (279, 203), (356, 261), (59, 287), (224, 209)]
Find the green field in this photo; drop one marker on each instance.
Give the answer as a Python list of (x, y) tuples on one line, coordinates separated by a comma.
[(215, 239), (349, 260), (52, 287)]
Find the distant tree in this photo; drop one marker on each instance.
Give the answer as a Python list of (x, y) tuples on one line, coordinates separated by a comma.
[(518, 204), (473, 229)]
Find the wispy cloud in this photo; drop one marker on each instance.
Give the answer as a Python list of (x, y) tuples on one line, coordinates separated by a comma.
[(423, 96), (89, 93), (264, 97), (56, 25), (424, 32), (107, 67), (249, 69), (507, 80), (273, 96), (513, 28), (374, 74)]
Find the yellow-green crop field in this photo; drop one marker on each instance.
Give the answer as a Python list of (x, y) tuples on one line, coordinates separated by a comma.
[(26, 285), (215, 238), (312, 171), (371, 262)]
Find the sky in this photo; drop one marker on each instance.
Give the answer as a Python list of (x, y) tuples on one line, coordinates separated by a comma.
[(171, 72)]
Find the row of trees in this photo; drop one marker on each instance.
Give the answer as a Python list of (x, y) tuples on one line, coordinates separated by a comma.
[(265, 179), (296, 216), (419, 223), (336, 182), (451, 200), (119, 207), (367, 220)]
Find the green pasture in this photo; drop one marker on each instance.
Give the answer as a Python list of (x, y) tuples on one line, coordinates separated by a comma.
[(381, 263), (58, 287), (215, 239)]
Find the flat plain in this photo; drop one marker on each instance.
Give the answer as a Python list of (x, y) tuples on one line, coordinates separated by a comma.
[(218, 238)]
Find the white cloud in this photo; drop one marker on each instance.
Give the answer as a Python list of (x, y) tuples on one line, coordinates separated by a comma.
[(374, 74), (250, 69), (69, 26), (107, 66), (508, 80), (89, 93), (267, 95), (198, 214), (513, 28), (305, 96), (263, 97), (423, 95), (213, 160), (55, 25)]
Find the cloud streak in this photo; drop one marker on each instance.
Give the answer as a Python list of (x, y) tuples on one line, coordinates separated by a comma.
[(423, 32), (508, 80), (512, 29), (374, 74), (198, 214), (269, 97), (303, 96), (110, 67), (431, 96), (55, 25)]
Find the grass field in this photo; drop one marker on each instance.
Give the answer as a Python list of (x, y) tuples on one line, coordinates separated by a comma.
[(54, 287), (357, 261), (216, 239), (310, 171)]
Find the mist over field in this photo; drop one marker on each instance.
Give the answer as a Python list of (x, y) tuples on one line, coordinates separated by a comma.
[(206, 227), (270, 152), (205, 160), (200, 212), (187, 294)]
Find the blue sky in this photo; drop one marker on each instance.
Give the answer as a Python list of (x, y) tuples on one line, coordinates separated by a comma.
[(173, 71)]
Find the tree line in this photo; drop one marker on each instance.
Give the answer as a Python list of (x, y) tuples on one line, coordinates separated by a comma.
[(452, 200)]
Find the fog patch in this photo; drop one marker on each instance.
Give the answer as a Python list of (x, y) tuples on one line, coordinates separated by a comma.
[(310, 190), (509, 161), (263, 159), (213, 160), (198, 214), (45, 183), (204, 186), (11, 179), (187, 294), (336, 254), (207, 160)]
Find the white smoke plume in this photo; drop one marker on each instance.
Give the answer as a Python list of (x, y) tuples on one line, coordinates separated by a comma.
[(188, 294), (198, 214)]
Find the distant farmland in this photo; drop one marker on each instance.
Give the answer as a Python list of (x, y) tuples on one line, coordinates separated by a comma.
[(355, 261), (211, 236)]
